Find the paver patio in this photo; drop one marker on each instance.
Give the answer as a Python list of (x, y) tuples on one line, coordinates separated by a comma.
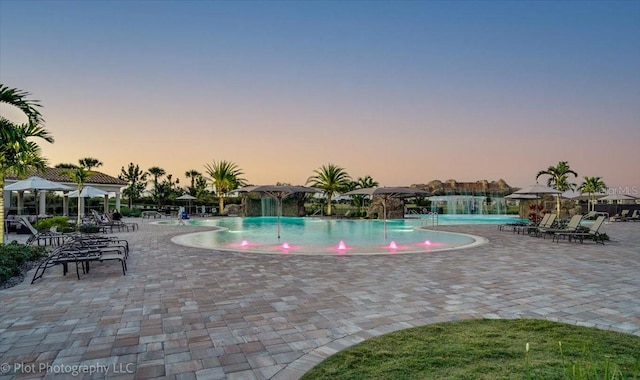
[(188, 313)]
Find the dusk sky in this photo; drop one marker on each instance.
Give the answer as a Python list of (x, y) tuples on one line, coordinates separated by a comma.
[(406, 92)]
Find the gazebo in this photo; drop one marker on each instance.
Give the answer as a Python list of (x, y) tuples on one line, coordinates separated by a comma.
[(97, 180)]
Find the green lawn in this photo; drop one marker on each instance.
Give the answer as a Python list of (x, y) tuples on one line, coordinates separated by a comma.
[(488, 349)]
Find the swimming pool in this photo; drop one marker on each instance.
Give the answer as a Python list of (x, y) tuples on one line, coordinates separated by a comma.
[(330, 236)]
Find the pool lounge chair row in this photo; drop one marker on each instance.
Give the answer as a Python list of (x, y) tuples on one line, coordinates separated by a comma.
[(55, 238), (625, 217), (82, 250), (572, 231), (593, 233)]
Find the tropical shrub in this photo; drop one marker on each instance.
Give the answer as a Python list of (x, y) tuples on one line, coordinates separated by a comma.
[(536, 212), (14, 255), (60, 222), (132, 212)]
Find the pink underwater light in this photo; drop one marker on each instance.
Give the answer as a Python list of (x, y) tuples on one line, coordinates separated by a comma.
[(286, 245), (342, 246), (393, 245), (244, 243)]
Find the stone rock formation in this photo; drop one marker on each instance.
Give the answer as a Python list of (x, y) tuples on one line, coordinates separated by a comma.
[(452, 186)]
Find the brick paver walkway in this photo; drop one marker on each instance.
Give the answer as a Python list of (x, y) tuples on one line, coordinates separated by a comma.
[(187, 313)]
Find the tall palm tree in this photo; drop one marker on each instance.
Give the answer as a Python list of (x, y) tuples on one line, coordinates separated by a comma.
[(559, 179), (592, 185), (137, 180), (79, 175), (18, 153), (90, 163), (156, 172), (225, 176), (193, 175), (331, 179)]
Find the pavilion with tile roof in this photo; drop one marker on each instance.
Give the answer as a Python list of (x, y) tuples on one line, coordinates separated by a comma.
[(97, 179)]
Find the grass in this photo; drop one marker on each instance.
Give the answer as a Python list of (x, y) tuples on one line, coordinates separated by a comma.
[(488, 349)]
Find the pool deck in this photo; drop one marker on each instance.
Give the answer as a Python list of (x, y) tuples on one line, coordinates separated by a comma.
[(190, 313)]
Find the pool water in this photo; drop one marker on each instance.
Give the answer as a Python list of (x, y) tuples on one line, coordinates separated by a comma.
[(330, 236)]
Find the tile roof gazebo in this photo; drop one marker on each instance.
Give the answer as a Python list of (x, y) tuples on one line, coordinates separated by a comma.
[(97, 179)]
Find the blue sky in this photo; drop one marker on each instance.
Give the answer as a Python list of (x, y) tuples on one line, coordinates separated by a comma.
[(404, 91)]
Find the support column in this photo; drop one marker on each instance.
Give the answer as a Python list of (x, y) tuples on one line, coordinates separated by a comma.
[(81, 205), (118, 201), (65, 204), (106, 203), (6, 197), (20, 201), (42, 203)]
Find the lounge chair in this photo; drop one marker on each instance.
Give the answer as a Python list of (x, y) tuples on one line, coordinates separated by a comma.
[(81, 251), (622, 217), (592, 233), (572, 226), (133, 226), (98, 241), (151, 214), (523, 228), (635, 216), (593, 215), (106, 223), (548, 223), (513, 226), (50, 237)]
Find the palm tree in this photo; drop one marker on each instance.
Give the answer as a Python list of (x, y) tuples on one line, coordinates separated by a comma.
[(365, 182), (193, 174), (224, 176), (66, 166), (330, 179), (18, 153), (90, 163), (137, 180), (592, 185), (79, 175), (156, 172), (559, 179), (18, 99)]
